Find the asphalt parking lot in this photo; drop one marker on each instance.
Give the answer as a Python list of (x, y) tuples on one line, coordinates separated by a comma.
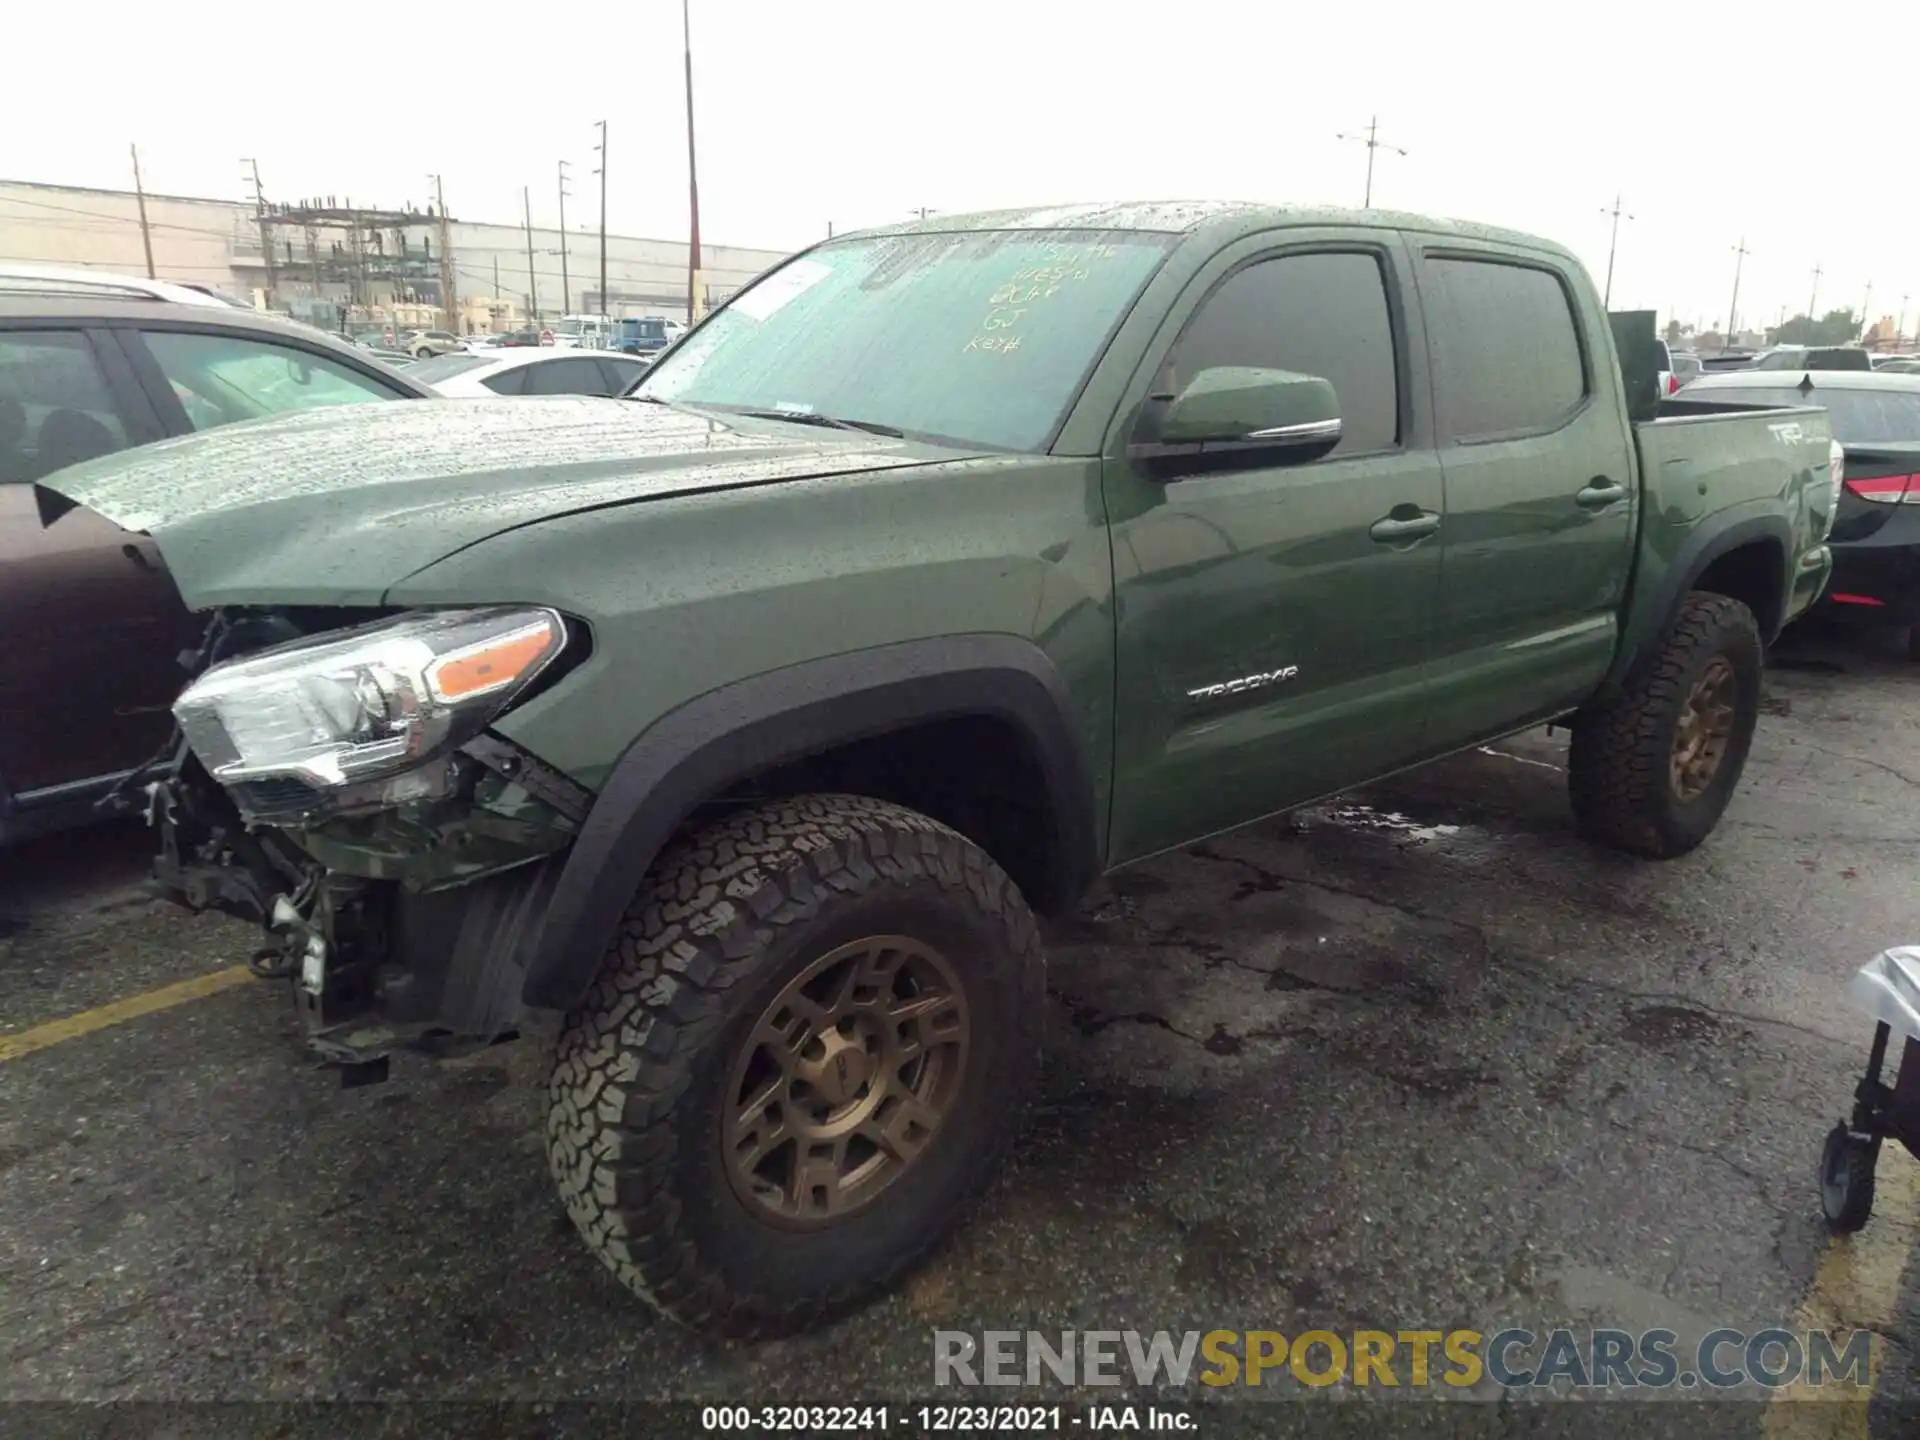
[(1420, 1058)]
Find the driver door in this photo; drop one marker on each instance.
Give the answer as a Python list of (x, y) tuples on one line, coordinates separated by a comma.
[(1273, 632)]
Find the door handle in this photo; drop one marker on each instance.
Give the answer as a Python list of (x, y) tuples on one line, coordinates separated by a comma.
[(1600, 492), (1399, 529)]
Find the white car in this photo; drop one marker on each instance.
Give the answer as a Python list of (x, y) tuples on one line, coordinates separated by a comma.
[(530, 370), (81, 283)]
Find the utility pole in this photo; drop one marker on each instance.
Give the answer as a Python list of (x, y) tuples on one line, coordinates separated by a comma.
[(923, 212), (566, 301), (606, 305), (140, 194), (1606, 300), (1373, 142), (693, 179), (1866, 308), (449, 320), (1740, 253), (1814, 296), (829, 229), (266, 236), (533, 286), (1900, 324)]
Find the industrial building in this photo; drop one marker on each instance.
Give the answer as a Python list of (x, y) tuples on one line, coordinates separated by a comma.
[(335, 262)]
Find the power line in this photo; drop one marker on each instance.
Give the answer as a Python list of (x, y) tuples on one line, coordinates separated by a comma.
[(116, 220), (1373, 142), (1606, 300)]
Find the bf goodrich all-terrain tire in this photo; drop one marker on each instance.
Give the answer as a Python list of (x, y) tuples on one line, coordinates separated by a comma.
[(1652, 772), (808, 1045)]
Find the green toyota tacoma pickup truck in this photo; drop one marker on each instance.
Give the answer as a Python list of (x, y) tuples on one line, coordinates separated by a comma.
[(746, 720)]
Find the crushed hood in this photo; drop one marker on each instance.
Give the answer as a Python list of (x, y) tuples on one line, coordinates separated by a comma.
[(336, 506)]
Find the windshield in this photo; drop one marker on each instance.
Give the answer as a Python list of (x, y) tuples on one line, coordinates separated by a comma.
[(1860, 417), (982, 338)]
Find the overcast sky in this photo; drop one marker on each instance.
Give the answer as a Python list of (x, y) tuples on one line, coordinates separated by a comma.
[(1789, 127)]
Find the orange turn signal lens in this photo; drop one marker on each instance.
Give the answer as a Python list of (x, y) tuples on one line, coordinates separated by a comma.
[(493, 664)]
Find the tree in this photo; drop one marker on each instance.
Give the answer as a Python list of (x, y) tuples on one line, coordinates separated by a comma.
[(1836, 327)]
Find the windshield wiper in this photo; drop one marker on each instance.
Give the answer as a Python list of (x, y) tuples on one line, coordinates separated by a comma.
[(825, 422)]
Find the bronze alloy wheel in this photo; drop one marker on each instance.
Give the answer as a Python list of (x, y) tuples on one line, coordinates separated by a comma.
[(1706, 723), (844, 1080)]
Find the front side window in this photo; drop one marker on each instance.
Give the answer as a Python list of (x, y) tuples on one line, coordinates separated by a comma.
[(1508, 350), (978, 338), (579, 376), (1313, 314), (621, 373), (219, 379), (55, 407)]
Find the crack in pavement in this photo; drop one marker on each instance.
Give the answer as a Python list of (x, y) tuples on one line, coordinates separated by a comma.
[(1089, 1020), (1656, 1137), (1897, 774)]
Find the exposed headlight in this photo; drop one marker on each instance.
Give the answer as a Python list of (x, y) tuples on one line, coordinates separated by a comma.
[(365, 703)]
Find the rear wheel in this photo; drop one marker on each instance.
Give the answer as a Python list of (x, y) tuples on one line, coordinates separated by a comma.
[(1652, 772), (809, 1044)]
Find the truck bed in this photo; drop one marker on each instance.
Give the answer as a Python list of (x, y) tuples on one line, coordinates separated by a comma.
[(1705, 458)]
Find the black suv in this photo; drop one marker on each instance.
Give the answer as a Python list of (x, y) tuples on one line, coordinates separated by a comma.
[(90, 624)]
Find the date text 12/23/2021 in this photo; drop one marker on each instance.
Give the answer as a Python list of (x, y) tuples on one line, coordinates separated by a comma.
[(940, 1419)]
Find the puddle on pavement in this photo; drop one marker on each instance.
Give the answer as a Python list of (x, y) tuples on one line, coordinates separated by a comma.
[(1392, 822)]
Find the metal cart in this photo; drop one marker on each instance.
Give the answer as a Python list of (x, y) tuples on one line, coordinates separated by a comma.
[(1887, 988)]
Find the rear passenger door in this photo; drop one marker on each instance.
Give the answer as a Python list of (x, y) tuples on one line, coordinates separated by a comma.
[(1539, 491)]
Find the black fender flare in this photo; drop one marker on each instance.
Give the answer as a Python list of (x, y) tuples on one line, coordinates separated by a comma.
[(708, 744), (1700, 550)]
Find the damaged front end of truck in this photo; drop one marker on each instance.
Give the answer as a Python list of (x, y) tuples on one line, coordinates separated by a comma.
[(341, 787)]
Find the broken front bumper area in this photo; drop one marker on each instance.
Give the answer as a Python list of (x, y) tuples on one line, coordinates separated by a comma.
[(403, 927)]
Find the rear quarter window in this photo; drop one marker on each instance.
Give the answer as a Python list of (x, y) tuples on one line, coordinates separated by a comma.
[(1507, 348)]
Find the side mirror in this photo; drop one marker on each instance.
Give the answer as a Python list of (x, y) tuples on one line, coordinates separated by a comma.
[(1236, 417)]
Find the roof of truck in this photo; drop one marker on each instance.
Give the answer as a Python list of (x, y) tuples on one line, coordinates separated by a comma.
[(1179, 217)]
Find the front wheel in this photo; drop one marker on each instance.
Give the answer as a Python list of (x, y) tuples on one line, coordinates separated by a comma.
[(1847, 1164), (809, 1044), (1651, 773)]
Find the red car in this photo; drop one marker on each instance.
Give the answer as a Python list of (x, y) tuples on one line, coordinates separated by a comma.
[(91, 628)]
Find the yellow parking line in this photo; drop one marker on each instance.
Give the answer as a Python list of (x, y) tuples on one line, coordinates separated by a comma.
[(72, 1027), (1855, 1286)]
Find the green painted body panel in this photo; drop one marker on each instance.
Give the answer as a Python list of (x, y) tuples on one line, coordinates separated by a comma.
[(703, 550), (684, 595)]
